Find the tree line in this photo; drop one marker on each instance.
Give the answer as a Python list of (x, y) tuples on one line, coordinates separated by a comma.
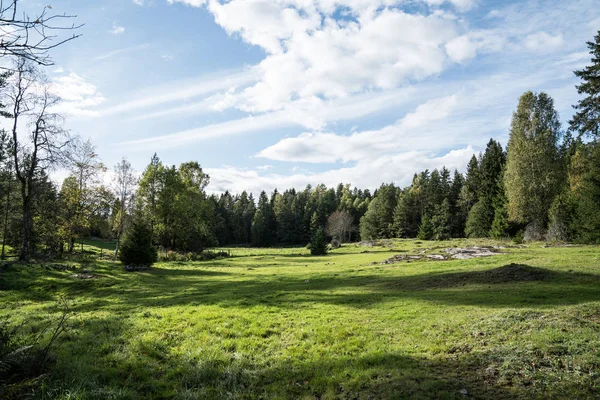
[(545, 185)]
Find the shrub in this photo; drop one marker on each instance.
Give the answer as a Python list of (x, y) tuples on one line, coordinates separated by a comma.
[(335, 244), (518, 238), (318, 244), (137, 247), (206, 255)]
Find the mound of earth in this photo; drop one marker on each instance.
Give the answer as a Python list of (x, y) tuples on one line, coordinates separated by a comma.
[(505, 274)]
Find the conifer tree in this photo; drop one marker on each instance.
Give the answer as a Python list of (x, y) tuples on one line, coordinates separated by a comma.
[(318, 244), (137, 247), (586, 120)]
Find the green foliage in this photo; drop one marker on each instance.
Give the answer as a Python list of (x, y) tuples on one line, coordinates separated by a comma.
[(137, 247), (480, 219), (586, 120), (378, 221), (425, 229), (534, 171), (441, 222), (318, 243)]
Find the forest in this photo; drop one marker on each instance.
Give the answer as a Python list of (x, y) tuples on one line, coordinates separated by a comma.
[(117, 283), (543, 186)]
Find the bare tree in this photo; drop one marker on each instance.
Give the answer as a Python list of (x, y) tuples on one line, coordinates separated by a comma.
[(339, 225), (125, 182), (32, 37), (81, 198), (39, 148)]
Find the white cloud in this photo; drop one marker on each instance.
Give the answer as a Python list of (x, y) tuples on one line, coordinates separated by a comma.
[(543, 42), (124, 50), (138, 2), (180, 91), (397, 168), (117, 29), (78, 97), (330, 147)]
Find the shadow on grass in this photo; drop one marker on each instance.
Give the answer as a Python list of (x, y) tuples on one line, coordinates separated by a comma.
[(107, 362), (512, 285)]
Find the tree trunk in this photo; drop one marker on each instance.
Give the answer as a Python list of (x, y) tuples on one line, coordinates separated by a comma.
[(26, 243), (5, 220)]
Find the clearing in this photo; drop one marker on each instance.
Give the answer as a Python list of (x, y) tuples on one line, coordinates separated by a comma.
[(278, 323)]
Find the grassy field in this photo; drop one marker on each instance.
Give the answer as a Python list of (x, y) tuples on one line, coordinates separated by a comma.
[(278, 323)]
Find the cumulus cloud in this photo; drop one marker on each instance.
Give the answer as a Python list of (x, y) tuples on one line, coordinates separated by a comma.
[(397, 168)]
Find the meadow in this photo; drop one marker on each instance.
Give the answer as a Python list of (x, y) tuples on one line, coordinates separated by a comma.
[(279, 323)]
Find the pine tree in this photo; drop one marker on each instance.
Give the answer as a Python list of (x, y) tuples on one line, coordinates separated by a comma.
[(318, 244), (586, 120), (137, 247)]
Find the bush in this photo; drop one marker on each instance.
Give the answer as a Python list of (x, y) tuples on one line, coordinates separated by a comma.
[(518, 238), (206, 255), (335, 244), (318, 244), (137, 247)]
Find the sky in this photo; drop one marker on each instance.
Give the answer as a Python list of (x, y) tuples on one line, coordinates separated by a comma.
[(269, 94)]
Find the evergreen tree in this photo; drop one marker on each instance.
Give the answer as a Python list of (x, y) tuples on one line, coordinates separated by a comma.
[(137, 247), (425, 229), (259, 229), (586, 120), (441, 222), (318, 243), (480, 219), (500, 225)]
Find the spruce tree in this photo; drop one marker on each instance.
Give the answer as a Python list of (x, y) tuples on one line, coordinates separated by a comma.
[(441, 221), (137, 247), (425, 229), (586, 120), (318, 243), (480, 219)]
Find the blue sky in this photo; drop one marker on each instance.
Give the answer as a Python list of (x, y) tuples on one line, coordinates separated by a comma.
[(283, 93)]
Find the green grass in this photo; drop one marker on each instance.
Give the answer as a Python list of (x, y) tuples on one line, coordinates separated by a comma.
[(278, 323)]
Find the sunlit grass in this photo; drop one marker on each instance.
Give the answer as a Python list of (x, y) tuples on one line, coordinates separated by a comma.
[(278, 323)]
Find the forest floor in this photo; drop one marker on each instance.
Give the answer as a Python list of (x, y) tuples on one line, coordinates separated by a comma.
[(380, 320)]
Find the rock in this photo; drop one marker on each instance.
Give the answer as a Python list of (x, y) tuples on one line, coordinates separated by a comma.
[(464, 392), (466, 253), (491, 372), (436, 257)]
